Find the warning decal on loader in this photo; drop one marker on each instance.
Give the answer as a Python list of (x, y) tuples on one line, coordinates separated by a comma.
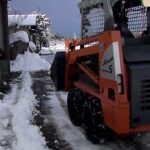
[(107, 65), (111, 67)]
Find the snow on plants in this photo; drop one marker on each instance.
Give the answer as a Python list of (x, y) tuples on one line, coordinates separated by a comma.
[(32, 46), (29, 62), (18, 36), (16, 114)]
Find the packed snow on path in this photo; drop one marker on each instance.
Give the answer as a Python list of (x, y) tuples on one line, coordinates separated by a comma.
[(55, 46), (29, 62), (73, 135), (17, 111)]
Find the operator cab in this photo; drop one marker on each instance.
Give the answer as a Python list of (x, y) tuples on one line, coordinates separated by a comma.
[(134, 23), (132, 19)]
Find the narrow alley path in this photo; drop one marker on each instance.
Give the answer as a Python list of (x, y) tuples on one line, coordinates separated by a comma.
[(42, 86)]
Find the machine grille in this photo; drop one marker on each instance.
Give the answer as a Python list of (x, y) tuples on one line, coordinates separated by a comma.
[(139, 93), (145, 95)]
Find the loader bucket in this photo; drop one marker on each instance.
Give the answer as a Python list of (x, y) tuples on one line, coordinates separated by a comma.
[(58, 70)]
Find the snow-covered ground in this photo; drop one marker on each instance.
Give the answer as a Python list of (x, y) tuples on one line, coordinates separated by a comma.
[(54, 46), (57, 46), (73, 135), (17, 110)]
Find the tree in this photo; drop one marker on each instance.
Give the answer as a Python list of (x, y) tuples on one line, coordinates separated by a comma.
[(43, 24)]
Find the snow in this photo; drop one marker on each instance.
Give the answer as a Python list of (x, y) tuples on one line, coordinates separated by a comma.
[(73, 135), (18, 36), (23, 20), (17, 110), (29, 62), (32, 46), (55, 46), (45, 51)]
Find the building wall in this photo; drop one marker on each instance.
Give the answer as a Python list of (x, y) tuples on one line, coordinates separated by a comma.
[(4, 42), (1, 29)]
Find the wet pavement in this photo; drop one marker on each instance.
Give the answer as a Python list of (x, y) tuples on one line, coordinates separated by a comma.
[(42, 86)]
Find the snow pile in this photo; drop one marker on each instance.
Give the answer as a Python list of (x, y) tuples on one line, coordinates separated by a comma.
[(18, 36), (29, 62), (32, 46), (28, 136), (45, 50), (17, 110), (5, 121), (57, 46)]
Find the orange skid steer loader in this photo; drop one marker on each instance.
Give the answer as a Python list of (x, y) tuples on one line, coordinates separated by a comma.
[(107, 72)]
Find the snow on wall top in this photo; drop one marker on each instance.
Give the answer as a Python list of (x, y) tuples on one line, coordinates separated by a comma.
[(22, 20), (18, 36)]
